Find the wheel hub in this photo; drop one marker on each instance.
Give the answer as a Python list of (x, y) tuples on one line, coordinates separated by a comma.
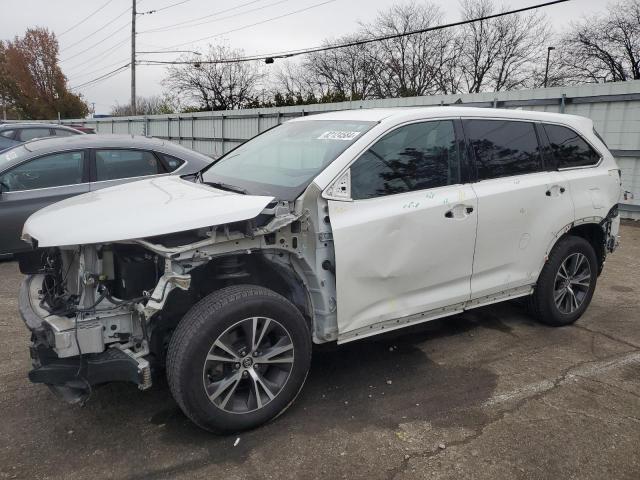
[(247, 362)]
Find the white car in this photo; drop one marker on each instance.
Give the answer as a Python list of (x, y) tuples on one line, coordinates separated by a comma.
[(328, 228)]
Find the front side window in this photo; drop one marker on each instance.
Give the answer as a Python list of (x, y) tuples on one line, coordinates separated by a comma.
[(568, 148), (283, 161), (116, 164), (413, 157), (49, 171), (27, 134), (503, 148)]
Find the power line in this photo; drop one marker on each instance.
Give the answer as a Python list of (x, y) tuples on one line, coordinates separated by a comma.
[(85, 18), (316, 5), (84, 73), (95, 31), (206, 16), (292, 53), (106, 76), (126, 25), (163, 8), (164, 29), (102, 55)]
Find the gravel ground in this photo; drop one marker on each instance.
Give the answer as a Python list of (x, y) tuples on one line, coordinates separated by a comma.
[(488, 394)]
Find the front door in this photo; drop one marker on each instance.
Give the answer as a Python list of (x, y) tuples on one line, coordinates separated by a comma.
[(404, 244), (32, 185)]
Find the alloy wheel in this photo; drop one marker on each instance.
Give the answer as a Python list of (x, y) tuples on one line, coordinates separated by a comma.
[(572, 283), (248, 365)]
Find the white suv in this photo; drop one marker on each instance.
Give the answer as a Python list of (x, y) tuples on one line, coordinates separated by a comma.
[(327, 228)]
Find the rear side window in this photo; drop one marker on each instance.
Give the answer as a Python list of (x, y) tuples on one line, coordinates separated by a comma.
[(413, 157), (26, 134), (50, 171), (115, 164), (503, 148), (568, 148)]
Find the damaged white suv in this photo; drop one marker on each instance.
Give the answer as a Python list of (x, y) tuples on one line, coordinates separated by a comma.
[(327, 228)]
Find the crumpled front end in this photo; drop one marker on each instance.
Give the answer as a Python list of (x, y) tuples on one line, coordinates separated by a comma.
[(105, 312), (85, 309)]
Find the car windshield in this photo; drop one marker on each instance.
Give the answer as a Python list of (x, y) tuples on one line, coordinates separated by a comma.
[(8, 156), (283, 161)]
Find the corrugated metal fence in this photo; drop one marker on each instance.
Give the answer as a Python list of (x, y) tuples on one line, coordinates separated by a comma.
[(613, 107)]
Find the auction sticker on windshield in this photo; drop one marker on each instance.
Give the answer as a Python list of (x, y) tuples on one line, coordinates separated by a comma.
[(338, 135)]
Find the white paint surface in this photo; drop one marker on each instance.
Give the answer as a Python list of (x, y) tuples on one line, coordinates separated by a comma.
[(136, 210), (399, 255)]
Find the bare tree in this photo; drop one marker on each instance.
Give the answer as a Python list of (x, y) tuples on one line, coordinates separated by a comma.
[(409, 65), (154, 105), (607, 47), (294, 81), (216, 86), (500, 53), (346, 73)]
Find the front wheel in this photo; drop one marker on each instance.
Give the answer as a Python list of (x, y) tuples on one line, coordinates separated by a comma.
[(238, 358), (567, 282)]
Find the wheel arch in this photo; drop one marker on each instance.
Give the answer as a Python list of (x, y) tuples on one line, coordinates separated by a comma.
[(272, 271), (592, 229)]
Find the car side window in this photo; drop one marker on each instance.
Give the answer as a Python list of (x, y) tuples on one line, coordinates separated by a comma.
[(171, 163), (413, 157), (121, 163), (49, 171), (59, 132), (26, 134), (568, 148), (503, 148), (7, 133)]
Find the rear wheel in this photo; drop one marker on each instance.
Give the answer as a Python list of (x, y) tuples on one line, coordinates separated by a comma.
[(238, 358), (567, 282)]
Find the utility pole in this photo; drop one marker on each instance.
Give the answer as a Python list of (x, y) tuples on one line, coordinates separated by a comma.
[(133, 57), (546, 71)]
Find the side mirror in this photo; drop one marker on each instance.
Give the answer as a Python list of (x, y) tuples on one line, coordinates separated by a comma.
[(340, 188)]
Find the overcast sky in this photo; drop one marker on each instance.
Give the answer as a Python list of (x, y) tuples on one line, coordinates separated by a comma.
[(84, 59)]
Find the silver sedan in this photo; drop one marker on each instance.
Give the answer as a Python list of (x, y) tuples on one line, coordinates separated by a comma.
[(41, 172)]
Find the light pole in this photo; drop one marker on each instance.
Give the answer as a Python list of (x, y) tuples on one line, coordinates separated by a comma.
[(546, 71)]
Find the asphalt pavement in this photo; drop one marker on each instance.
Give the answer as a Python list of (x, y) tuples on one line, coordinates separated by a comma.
[(488, 394)]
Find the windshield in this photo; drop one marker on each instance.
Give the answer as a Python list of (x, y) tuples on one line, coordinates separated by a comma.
[(283, 161)]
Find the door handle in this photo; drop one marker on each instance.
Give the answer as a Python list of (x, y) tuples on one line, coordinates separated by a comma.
[(555, 191), (459, 211)]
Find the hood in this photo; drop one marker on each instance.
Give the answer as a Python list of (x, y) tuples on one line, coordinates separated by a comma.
[(136, 210)]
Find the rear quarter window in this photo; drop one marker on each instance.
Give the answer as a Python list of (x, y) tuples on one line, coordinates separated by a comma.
[(568, 148), (171, 163)]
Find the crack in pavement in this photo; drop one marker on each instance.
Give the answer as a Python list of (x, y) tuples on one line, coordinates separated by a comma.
[(536, 391), (606, 335)]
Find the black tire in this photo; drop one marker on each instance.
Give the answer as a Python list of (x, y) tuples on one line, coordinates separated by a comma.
[(209, 321), (543, 302)]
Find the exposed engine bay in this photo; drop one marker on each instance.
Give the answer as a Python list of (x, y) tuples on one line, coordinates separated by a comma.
[(106, 312)]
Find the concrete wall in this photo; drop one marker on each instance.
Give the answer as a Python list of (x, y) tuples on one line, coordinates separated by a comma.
[(613, 107)]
